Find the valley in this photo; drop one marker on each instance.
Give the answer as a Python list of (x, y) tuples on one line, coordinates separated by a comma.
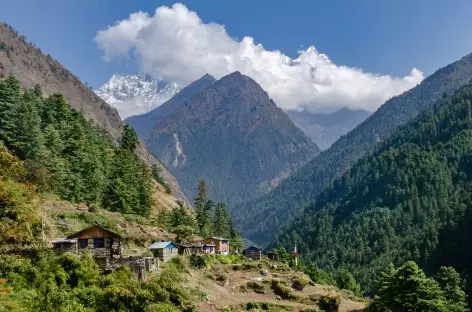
[(201, 170)]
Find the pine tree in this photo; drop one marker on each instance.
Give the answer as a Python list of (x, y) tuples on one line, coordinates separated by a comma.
[(25, 138), (221, 221), (450, 282), (129, 140), (202, 195), (9, 98), (408, 289)]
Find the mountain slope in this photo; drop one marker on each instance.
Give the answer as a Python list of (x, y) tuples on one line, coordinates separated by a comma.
[(405, 202), (325, 129), (134, 95), (230, 134), (146, 122), (27, 63), (259, 219)]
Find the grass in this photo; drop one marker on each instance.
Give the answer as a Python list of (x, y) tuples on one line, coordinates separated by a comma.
[(257, 306)]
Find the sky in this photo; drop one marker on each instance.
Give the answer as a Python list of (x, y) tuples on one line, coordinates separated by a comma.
[(376, 48)]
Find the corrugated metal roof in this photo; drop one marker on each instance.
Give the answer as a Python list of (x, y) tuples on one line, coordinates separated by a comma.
[(64, 240), (160, 245), (218, 238)]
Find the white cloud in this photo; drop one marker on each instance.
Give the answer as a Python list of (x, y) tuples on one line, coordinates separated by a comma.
[(174, 43)]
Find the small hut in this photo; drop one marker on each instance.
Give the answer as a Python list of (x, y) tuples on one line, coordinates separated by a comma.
[(253, 252), (274, 256), (190, 249), (164, 250)]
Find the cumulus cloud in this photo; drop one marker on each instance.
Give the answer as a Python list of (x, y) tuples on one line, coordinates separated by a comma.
[(175, 44)]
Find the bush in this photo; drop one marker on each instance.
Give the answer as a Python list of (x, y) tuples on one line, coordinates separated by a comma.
[(283, 291), (148, 254), (202, 261), (256, 287), (299, 283), (329, 303)]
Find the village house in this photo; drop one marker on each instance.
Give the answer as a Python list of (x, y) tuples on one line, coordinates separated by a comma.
[(209, 249), (102, 243), (190, 249), (164, 250), (221, 244), (253, 252)]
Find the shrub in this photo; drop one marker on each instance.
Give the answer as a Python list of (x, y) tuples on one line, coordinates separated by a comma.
[(299, 283), (256, 287), (329, 303), (283, 291), (203, 261), (148, 254)]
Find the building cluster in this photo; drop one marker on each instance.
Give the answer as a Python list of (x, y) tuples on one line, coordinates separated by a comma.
[(107, 249)]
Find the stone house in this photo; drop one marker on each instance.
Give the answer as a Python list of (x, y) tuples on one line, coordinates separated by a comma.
[(164, 250), (221, 244), (102, 243)]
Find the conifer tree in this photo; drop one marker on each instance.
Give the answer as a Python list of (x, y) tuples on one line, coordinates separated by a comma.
[(221, 221), (129, 140), (9, 98)]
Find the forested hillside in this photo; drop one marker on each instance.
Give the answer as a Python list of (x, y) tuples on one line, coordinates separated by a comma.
[(65, 154), (26, 62), (410, 200), (258, 220)]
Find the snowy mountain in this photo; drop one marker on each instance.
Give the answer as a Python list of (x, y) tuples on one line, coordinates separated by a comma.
[(136, 94)]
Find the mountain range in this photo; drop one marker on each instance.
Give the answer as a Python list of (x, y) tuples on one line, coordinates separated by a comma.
[(138, 94), (259, 219), (228, 132)]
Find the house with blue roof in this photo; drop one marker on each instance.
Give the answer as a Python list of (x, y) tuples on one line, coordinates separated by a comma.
[(164, 250)]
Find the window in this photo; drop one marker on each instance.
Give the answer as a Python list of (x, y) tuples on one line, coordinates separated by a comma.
[(83, 243), (98, 243)]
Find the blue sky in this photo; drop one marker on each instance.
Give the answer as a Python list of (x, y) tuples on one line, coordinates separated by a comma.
[(386, 37)]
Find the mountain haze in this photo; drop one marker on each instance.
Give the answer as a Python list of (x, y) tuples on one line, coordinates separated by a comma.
[(30, 66), (259, 219), (325, 129), (229, 133)]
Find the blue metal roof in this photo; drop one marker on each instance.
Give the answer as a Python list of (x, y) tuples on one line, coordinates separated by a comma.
[(161, 245)]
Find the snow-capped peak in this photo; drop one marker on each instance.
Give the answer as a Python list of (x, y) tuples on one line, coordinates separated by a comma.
[(312, 57), (136, 94)]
